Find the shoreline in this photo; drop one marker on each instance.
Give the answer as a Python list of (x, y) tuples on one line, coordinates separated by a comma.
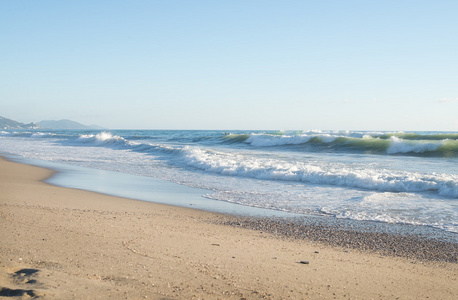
[(133, 187), (174, 194), (402, 240), (87, 245)]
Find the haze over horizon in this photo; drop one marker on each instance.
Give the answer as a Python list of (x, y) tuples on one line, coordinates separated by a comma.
[(330, 65)]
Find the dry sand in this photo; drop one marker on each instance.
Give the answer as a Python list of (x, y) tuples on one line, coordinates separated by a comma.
[(59, 243)]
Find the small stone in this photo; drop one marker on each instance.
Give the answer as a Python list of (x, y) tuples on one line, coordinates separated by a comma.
[(304, 262)]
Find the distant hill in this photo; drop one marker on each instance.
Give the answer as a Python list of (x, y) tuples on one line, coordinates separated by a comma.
[(11, 124), (66, 124)]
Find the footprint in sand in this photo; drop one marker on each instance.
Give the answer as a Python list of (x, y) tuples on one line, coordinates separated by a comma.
[(21, 284)]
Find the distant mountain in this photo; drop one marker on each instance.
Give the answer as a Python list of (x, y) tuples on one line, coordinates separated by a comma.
[(11, 124), (66, 124)]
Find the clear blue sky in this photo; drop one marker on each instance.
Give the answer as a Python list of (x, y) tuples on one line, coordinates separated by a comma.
[(366, 65)]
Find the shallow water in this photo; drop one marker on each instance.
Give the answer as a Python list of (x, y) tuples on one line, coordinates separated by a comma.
[(143, 188), (403, 178)]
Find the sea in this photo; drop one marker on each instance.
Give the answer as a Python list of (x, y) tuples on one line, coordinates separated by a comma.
[(387, 177)]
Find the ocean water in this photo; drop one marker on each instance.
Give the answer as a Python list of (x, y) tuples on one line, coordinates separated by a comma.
[(400, 177)]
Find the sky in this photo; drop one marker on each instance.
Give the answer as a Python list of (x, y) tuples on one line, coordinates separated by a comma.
[(331, 65)]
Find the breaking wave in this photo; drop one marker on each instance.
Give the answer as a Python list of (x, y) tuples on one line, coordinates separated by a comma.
[(444, 145), (244, 165), (301, 171), (320, 173)]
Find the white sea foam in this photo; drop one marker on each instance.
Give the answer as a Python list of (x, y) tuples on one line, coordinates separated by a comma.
[(103, 138), (295, 138), (403, 208), (42, 134), (263, 140), (320, 173), (266, 140), (399, 145)]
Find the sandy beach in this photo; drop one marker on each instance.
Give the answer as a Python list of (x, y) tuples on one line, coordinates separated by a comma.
[(60, 243)]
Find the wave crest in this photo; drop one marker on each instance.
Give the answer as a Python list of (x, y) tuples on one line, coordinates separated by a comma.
[(103, 138), (399, 145), (357, 142)]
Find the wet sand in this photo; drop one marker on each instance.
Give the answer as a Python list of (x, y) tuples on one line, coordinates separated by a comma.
[(60, 243), (402, 241)]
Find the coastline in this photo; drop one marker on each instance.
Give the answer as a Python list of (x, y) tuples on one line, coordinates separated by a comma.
[(78, 244)]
